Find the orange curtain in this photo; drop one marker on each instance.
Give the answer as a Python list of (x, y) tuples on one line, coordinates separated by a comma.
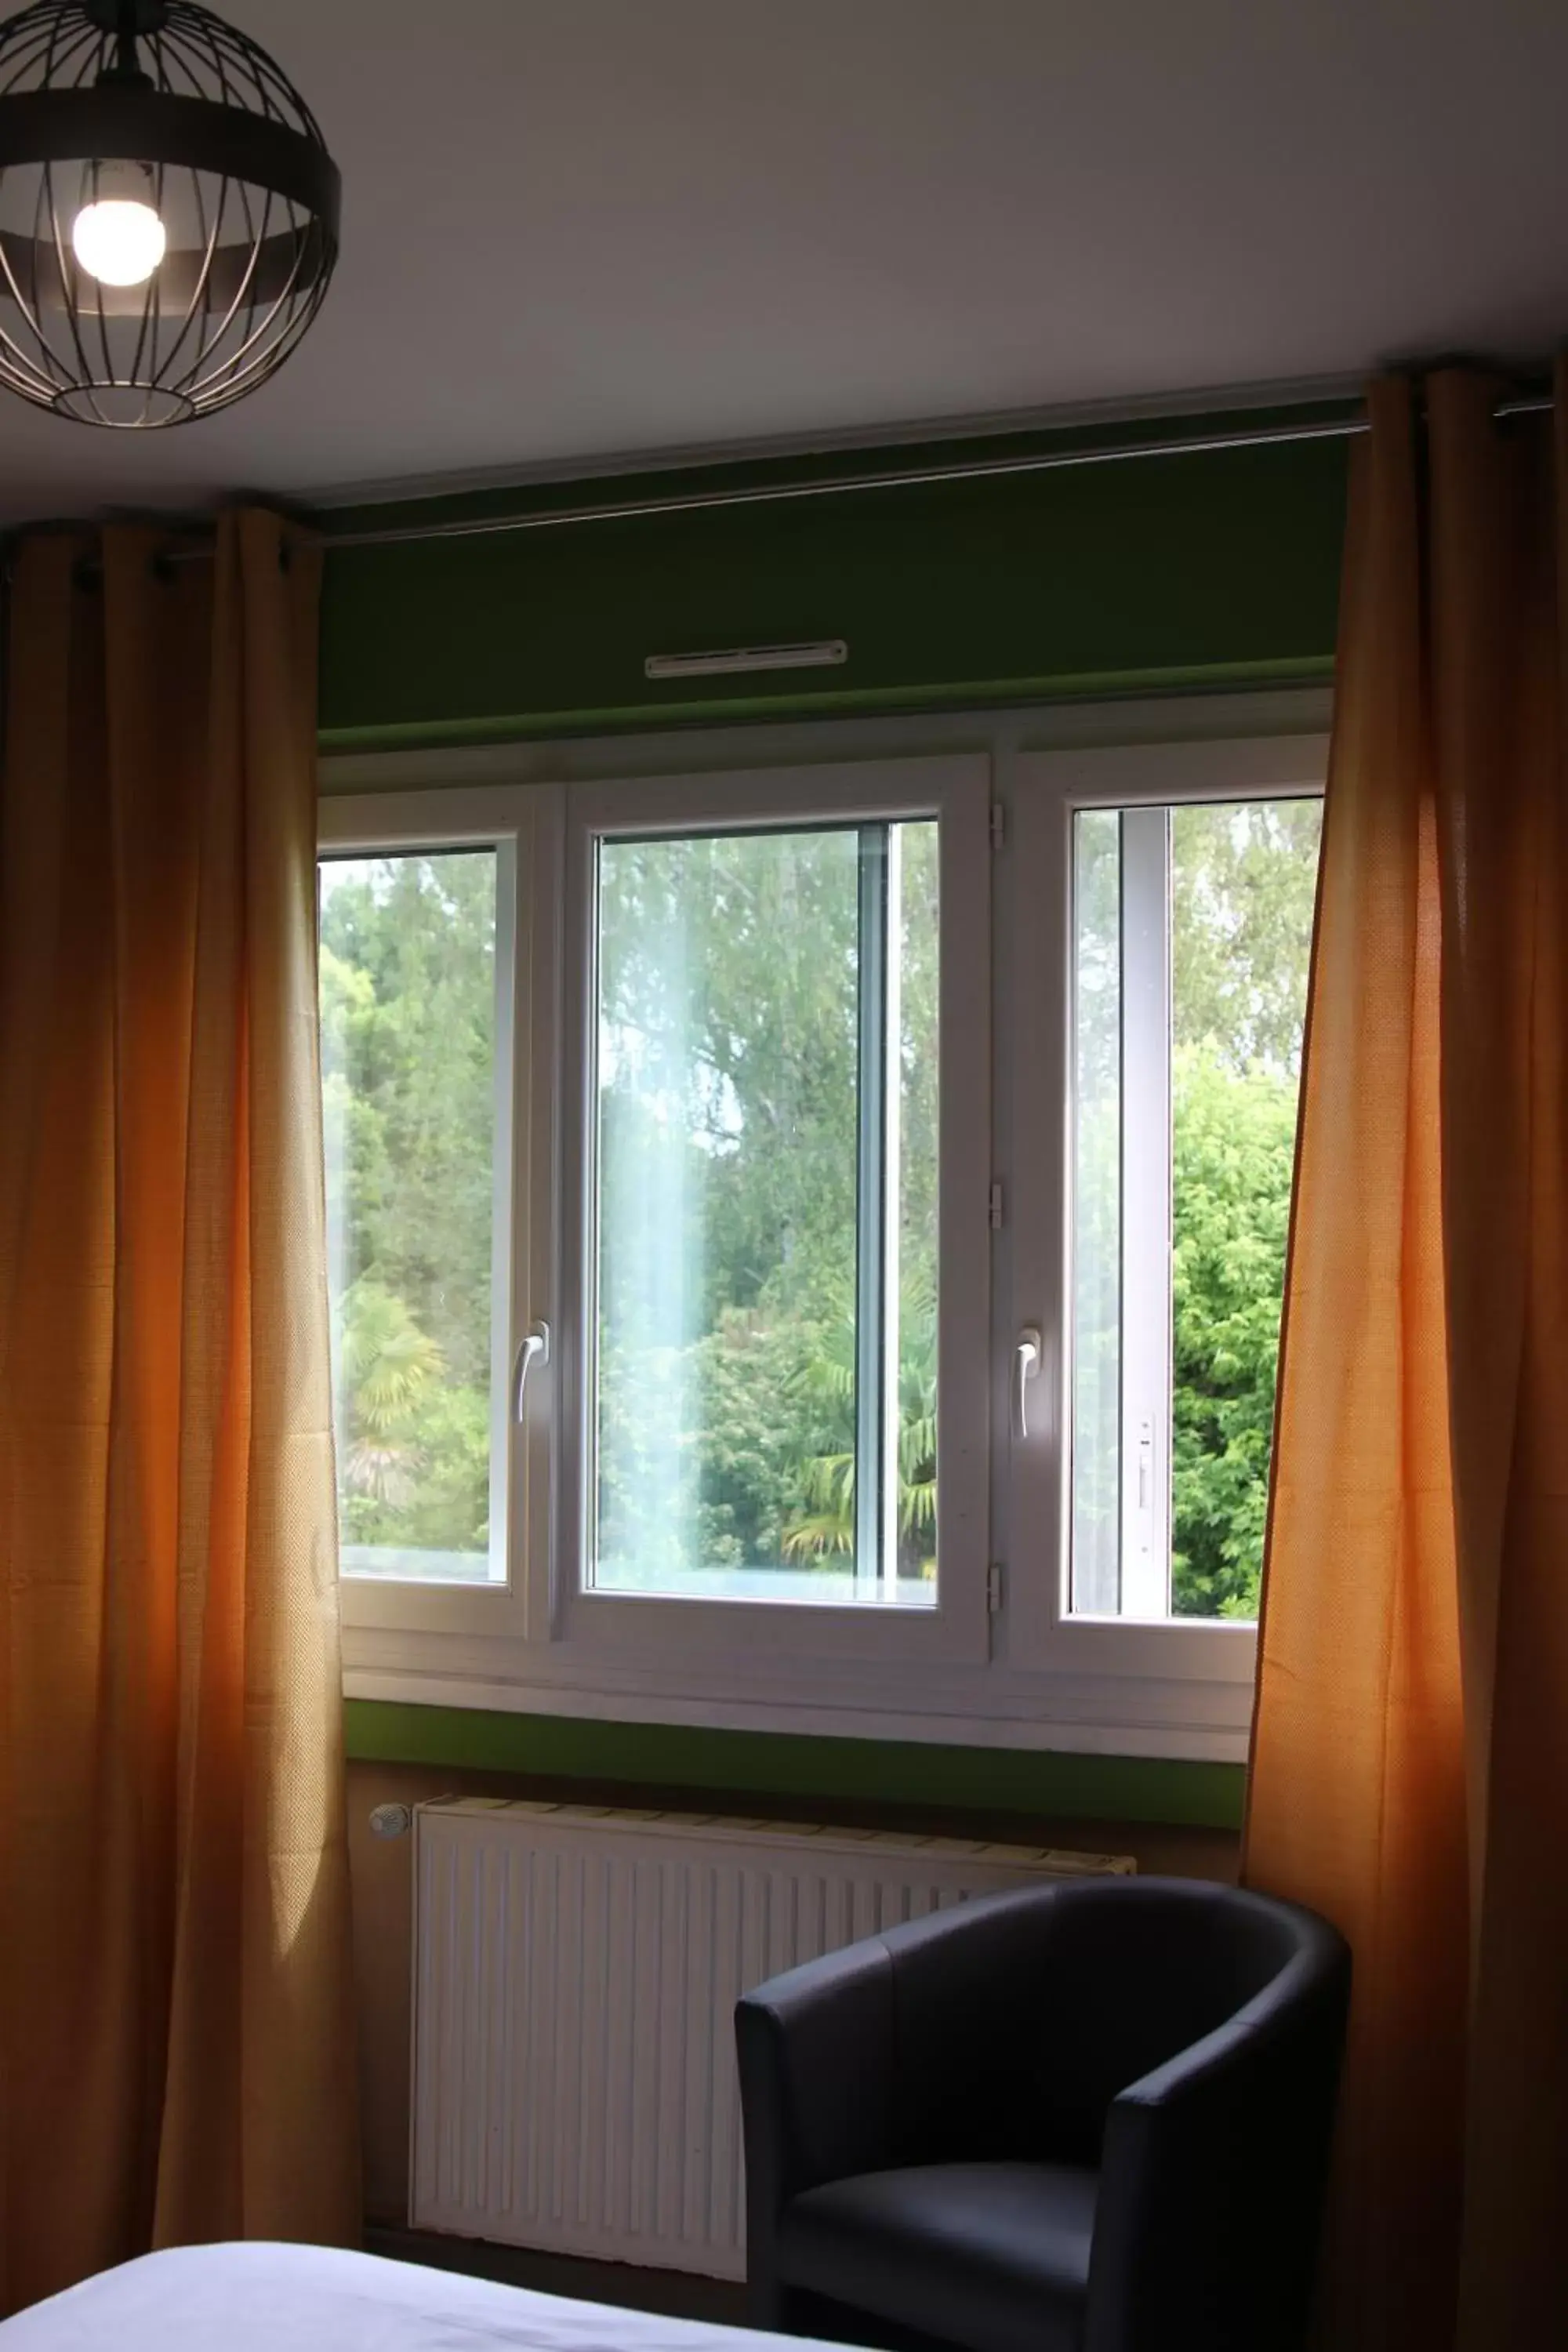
[(176, 2039), (1410, 1751)]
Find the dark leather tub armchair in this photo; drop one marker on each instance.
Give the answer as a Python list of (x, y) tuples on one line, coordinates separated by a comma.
[(1092, 2116)]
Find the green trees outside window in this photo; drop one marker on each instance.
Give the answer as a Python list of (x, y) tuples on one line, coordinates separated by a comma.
[(730, 1001), (409, 1047)]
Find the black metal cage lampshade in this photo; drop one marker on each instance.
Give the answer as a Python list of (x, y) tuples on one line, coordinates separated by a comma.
[(168, 211)]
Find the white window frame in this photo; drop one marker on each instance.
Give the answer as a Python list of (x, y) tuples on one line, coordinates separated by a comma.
[(524, 829), (1052, 789), (657, 1626), (1033, 1678)]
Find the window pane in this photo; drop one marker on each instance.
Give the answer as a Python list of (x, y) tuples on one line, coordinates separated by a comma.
[(1243, 885), (1191, 936), (764, 1403), (916, 973), (408, 1074)]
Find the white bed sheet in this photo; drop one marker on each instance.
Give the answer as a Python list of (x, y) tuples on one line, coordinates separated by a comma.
[(271, 2298)]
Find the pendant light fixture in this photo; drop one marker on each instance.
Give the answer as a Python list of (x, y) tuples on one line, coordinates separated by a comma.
[(168, 211)]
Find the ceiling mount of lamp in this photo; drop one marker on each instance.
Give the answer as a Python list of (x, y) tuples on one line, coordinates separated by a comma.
[(168, 211)]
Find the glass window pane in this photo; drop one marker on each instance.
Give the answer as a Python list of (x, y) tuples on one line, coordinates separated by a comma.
[(408, 1075), (1242, 887), (1197, 1069), (762, 1364)]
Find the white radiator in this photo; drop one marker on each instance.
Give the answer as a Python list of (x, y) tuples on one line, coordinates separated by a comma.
[(576, 1975)]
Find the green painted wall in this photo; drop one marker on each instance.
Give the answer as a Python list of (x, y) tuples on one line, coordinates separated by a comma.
[(1199, 570), (1204, 570), (776, 1764)]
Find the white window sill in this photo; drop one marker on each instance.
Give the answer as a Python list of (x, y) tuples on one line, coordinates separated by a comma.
[(1191, 1718)]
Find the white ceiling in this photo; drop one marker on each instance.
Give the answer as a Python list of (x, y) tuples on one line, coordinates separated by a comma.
[(576, 229)]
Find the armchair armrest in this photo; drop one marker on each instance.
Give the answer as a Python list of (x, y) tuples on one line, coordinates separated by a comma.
[(1212, 2174), (816, 2054)]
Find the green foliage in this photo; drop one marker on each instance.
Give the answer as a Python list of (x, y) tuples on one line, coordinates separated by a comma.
[(728, 1111), (408, 1052), (388, 1364), (1244, 883), (826, 1527), (729, 1052), (409, 1048), (1234, 1144)]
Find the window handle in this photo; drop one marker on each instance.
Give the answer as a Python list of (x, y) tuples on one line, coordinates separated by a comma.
[(1026, 1368), (535, 1349)]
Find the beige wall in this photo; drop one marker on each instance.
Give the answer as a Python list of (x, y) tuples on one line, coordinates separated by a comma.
[(382, 1900)]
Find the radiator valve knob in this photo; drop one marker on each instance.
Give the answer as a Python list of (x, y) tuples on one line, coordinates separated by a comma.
[(391, 1821)]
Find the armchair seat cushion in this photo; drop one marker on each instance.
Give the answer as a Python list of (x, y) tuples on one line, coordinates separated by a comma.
[(990, 2256)]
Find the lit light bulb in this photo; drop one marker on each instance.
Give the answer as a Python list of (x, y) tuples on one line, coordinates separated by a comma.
[(118, 236)]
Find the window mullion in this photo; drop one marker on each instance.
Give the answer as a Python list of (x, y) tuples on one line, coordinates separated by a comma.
[(872, 1567), (892, 1119)]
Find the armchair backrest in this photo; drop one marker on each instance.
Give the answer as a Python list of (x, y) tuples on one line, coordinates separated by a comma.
[(1018, 2019)]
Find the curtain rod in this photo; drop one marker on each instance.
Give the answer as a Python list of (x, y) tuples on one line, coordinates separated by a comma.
[(962, 470), (904, 477), (976, 468)]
